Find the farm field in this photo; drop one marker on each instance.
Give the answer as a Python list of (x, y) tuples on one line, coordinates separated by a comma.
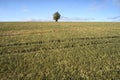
[(59, 51)]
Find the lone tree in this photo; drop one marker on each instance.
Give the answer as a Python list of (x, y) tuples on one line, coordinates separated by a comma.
[(56, 16)]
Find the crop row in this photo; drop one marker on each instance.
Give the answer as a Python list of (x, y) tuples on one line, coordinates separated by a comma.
[(16, 34), (35, 48), (58, 41)]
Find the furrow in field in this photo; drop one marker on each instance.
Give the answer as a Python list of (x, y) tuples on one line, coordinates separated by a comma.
[(60, 41), (59, 46)]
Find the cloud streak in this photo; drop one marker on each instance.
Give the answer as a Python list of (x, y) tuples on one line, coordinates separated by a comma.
[(114, 18), (97, 5), (76, 19), (34, 20), (61, 19), (117, 2), (25, 10)]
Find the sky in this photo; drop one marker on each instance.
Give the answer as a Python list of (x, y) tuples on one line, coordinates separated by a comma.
[(70, 10)]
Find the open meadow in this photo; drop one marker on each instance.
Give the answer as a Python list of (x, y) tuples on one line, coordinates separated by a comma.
[(60, 51)]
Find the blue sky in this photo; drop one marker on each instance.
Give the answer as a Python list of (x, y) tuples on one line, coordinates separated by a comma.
[(70, 10)]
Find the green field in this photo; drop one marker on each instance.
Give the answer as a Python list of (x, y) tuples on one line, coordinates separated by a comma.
[(59, 51)]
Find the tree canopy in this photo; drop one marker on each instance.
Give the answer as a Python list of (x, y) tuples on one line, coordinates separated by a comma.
[(56, 16)]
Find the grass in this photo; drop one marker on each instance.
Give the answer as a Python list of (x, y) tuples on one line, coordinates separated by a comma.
[(59, 51)]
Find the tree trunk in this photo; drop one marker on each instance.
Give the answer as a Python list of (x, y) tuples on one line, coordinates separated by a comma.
[(56, 20)]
